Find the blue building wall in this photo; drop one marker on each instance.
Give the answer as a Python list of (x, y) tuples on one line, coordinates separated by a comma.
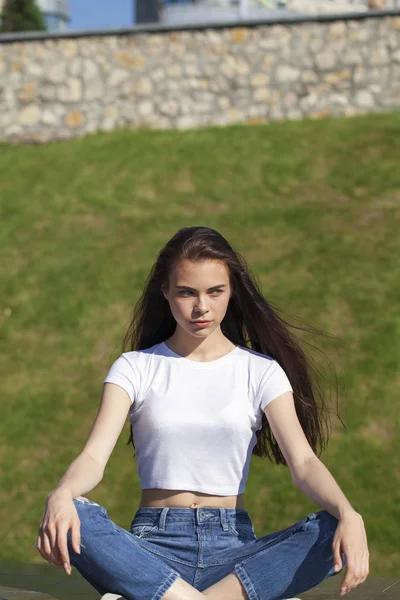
[(55, 22)]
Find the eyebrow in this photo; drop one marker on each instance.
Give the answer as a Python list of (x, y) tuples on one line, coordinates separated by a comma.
[(186, 287)]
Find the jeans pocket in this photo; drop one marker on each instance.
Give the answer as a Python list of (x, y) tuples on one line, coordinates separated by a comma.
[(143, 531), (242, 531)]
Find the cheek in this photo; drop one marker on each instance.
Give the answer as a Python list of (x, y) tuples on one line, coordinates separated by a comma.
[(223, 304), (177, 308)]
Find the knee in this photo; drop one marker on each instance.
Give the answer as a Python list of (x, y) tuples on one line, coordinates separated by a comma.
[(81, 501), (323, 524), (85, 508), (82, 504), (79, 504)]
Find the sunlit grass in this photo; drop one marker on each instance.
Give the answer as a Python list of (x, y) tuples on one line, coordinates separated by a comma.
[(314, 208)]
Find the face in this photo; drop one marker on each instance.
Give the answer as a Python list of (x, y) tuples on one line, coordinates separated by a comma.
[(199, 291)]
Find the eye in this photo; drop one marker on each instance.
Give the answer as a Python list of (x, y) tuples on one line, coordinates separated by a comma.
[(189, 292)]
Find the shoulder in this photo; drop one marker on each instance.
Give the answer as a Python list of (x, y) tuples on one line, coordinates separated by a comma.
[(262, 368), (140, 358), (133, 363), (257, 361)]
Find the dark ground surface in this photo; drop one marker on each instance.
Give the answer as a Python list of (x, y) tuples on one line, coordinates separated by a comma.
[(27, 581)]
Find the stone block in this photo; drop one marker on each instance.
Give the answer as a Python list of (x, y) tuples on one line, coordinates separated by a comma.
[(28, 92), (90, 69), (111, 113), (338, 29), (128, 60), (71, 91), (74, 119), (352, 57), (378, 56), (117, 77), (358, 35), (337, 76), (261, 94), (144, 86), (170, 108), (94, 89), (30, 115), (326, 60), (259, 80), (174, 71), (56, 73), (145, 108), (75, 66), (69, 48), (48, 117), (239, 34), (364, 99), (395, 23), (287, 74)]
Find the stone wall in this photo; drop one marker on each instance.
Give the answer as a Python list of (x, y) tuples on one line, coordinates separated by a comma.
[(63, 86)]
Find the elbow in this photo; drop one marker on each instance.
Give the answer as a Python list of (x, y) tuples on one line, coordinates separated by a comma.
[(300, 471)]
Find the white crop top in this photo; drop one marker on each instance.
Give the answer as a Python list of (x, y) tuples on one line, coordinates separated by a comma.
[(193, 422)]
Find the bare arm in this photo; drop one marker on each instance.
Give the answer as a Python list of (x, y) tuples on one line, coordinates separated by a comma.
[(82, 476), (317, 483), (87, 470), (309, 474)]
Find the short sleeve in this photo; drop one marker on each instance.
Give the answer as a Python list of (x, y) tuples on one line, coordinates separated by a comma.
[(274, 382), (122, 373)]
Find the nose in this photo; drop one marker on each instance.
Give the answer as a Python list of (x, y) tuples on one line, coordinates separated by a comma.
[(202, 307)]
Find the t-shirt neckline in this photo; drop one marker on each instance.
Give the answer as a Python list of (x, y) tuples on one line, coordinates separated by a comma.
[(199, 364)]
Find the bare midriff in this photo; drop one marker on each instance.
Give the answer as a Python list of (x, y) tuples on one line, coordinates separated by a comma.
[(157, 497)]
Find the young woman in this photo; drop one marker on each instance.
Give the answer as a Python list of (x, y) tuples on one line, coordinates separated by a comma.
[(200, 403)]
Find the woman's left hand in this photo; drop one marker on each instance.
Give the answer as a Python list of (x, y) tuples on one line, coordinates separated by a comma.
[(351, 539)]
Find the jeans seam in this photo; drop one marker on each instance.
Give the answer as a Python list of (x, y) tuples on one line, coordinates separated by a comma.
[(164, 587), (277, 543), (246, 582), (135, 540)]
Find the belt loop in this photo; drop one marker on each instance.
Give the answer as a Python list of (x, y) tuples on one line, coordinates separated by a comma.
[(222, 514), (163, 516)]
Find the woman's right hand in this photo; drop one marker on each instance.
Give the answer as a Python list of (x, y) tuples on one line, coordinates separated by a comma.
[(60, 515)]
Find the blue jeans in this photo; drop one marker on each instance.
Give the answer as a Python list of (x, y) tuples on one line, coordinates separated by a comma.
[(201, 545)]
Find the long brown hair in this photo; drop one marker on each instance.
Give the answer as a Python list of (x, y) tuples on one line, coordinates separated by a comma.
[(250, 320)]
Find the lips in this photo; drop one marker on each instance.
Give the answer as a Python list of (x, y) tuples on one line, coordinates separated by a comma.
[(200, 322)]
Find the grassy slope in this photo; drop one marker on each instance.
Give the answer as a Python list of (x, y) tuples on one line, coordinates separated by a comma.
[(314, 208)]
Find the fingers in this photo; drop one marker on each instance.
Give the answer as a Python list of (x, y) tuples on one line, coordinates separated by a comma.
[(62, 545), (356, 573), (52, 545), (47, 555), (76, 535), (61, 549), (337, 559)]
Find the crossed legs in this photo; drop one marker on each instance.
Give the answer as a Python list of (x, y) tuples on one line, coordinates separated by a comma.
[(228, 588)]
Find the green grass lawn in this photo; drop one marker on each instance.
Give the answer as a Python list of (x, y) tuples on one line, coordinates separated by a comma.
[(314, 206)]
